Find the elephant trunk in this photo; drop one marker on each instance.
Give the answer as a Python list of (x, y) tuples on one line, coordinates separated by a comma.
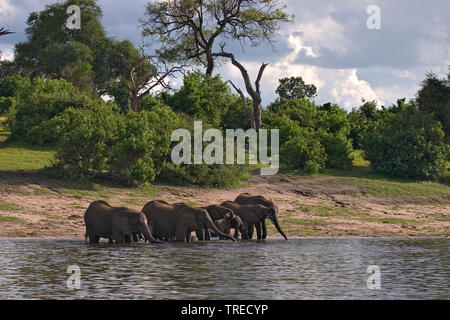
[(148, 235), (212, 226), (277, 226)]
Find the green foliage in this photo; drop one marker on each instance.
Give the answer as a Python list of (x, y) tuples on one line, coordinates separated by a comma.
[(305, 151), (143, 141), (98, 140), (434, 97), (85, 138), (203, 175), (295, 87), (53, 51), (311, 137), (407, 144), (208, 98), (362, 121), (190, 30), (40, 102)]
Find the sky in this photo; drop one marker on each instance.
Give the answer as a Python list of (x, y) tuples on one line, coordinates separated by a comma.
[(329, 44)]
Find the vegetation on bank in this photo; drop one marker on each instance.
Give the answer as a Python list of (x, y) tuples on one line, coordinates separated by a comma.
[(52, 100)]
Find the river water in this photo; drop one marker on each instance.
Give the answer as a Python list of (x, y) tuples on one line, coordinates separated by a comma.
[(304, 268)]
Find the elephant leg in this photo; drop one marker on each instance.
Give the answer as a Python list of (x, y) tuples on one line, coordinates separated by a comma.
[(236, 233), (199, 234), (258, 231), (110, 240), (188, 236), (135, 237), (180, 234), (207, 234), (128, 238), (94, 239), (250, 231), (264, 229)]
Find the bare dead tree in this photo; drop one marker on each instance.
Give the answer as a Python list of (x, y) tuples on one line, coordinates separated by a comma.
[(254, 92)]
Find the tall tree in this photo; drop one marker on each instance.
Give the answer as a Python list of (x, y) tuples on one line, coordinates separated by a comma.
[(295, 87), (53, 51), (140, 73), (189, 30), (434, 97)]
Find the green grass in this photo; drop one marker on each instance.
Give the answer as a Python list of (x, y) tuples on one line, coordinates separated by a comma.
[(389, 220), (45, 214), (5, 206), (4, 218), (15, 157)]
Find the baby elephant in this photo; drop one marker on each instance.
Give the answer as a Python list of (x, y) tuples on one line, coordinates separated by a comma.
[(114, 223), (225, 225)]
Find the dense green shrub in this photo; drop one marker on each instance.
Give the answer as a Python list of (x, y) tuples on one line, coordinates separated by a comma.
[(86, 138), (143, 141), (208, 98), (40, 102), (304, 151), (311, 137), (407, 143), (98, 140)]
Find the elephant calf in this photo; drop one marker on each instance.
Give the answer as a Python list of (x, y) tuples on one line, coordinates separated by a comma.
[(225, 226), (216, 213), (114, 223)]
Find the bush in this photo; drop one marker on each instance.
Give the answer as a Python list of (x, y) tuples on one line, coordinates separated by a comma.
[(86, 137), (40, 102), (203, 175), (304, 151), (100, 141), (143, 141), (407, 144), (311, 137)]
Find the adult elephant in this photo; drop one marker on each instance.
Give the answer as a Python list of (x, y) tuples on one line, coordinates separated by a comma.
[(248, 199), (254, 215), (216, 212), (114, 223), (177, 221)]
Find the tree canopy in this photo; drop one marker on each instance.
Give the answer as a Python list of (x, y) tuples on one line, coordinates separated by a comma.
[(190, 30)]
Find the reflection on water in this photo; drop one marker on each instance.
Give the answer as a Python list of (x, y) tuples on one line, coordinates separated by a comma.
[(274, 269)]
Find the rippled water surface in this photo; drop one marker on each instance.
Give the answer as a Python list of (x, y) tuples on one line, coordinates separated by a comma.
[(275, 269)]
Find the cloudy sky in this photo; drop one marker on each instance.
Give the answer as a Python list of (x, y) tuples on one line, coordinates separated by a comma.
[(329, 44)]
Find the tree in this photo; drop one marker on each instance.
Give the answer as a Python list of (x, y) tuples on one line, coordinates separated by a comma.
[(406, 143), (53, 51), (255, 93), (140, 73), (295, 87), (434, 97), (189, 29)]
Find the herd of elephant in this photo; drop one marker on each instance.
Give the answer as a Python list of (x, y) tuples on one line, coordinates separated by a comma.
[(160, 221)]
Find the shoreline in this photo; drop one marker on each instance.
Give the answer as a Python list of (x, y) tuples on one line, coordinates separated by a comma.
[(40, 207)]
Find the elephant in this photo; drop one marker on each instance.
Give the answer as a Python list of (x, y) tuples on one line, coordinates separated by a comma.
[(225, 225), (254, 214), (177, 221), (216, 212), (248, 199), (114, 223)]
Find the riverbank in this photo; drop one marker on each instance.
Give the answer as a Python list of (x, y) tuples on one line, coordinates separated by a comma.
[(354, 203), (33, 204)]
